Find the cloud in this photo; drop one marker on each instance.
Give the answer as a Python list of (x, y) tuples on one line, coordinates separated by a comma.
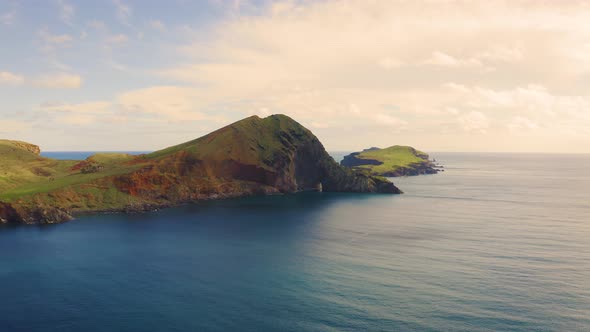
[(520, 124), (54, 81), (445, 60), (388, 120), (58, 81), (514, 53), (118, 39), (154, 105), (8, 78), (456, 68), (66, 11), (474, 122), (12, 126), (8, 18), (97, 25), (82, 114), (532, 99), (95, 107), (170, 103), (158, 25), (312, 59), (478, 59), (389, 63), (51, 39), (123, 11)]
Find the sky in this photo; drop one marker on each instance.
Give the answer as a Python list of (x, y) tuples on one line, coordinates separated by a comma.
[(489, 76)]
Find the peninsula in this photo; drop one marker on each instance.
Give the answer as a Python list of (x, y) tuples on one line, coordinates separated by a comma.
[(393, 161), (254, 156)]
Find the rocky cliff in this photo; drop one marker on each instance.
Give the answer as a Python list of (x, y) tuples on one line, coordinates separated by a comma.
[(32, 148)]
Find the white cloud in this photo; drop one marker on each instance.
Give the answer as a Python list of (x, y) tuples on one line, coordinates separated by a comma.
[(9, 78), (153, 105), (51, 39), (336, 49), (95, 107), (479, 59), (8, 18), (158, 25), (520, 124), (97, 25), (167, 102), (58, 81), (82, 114), (388, 120), (389, 63), (118, 39), (78, 119), (503, 53), (123, 11), (66, 11), (455, 87), (335, 65), (474, 122), (319, 125), (12, 126), (530, 99), (442, 59)]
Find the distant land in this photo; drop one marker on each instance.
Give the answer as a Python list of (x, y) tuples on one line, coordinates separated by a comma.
[(254, 156), (391, 162)]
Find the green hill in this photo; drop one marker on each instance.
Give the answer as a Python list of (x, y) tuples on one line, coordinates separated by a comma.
[(393, 161), (250, 157)]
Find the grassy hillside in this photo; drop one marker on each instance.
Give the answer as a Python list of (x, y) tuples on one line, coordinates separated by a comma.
[(249, 157), (24, 173), (393, 157), (396, 160), (20, 165), (247, 140)]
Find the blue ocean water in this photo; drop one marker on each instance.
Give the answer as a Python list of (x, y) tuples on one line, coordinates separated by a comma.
[(498, 242), (80, 155)]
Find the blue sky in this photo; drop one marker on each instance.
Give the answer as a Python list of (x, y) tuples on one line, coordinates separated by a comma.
[(441, 76)]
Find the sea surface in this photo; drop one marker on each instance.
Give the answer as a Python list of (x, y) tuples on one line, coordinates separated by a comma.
[(497, 242), (80, 155)]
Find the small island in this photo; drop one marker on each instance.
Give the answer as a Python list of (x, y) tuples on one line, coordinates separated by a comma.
[(254, 156), (393, 161)]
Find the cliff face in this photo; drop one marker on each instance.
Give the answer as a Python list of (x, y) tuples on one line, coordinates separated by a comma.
[(25, 214), (32, 148), (250, 157)]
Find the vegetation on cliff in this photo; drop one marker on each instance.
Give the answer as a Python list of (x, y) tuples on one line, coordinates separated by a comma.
[(252, 156), (393, 161)]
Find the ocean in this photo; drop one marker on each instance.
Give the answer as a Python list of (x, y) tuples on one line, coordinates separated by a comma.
[(497, 242), (80, 155)]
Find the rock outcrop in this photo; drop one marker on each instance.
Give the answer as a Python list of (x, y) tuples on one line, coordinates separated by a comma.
[(32, 148), (25, 214)]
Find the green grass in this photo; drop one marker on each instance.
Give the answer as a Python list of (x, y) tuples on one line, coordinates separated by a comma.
[(110, 157), (26, 177), (19, 166), (63, 181), (23, 173), (252, 140), (249, 140), (392, 158)]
